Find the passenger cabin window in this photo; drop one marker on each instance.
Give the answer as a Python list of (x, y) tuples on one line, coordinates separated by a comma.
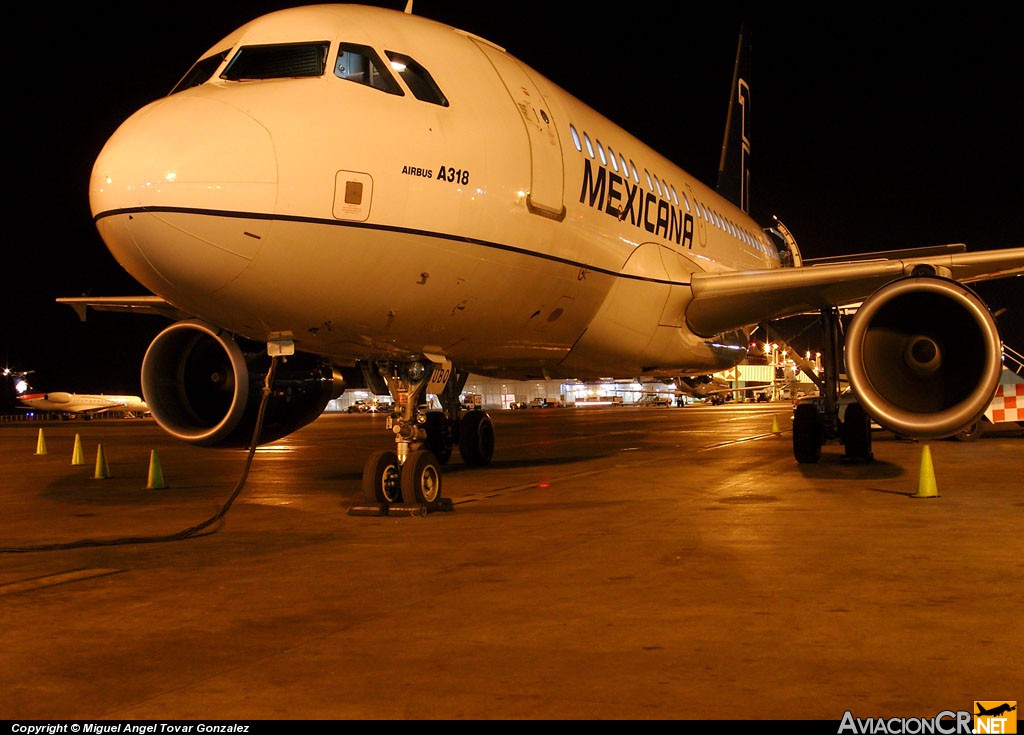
[(417, 79), (576, 138), (201, 71), (278, 61), (362, 65)]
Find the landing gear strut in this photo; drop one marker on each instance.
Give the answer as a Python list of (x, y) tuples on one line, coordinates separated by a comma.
[(820, 420), (410, 475)]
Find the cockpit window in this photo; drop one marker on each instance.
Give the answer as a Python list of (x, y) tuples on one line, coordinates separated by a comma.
[(278, 61), (201, 71), (362, 65), (418, 79)]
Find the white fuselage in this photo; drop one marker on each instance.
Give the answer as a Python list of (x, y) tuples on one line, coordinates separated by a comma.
[(495, 231), (84, 403)]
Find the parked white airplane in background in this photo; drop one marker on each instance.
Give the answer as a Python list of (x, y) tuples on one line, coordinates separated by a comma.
[(522, 234), (84, 404)]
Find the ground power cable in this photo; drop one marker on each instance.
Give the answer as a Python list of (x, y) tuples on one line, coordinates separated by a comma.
[(194, 531)]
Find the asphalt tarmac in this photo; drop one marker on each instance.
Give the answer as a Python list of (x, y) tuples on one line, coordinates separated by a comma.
[(611, 563)]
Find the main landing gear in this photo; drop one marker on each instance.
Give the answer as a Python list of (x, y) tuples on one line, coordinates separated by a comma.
[(408, 478), (824, 418)]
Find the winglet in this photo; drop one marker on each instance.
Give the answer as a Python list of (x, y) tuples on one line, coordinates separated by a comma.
[(80, 309)]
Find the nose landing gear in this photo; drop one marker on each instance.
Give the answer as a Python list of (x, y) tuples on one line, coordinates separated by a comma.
[(408, 479)]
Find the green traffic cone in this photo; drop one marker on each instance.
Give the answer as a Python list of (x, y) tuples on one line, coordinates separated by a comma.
[(102, 472), (156, 475), (78, 457)]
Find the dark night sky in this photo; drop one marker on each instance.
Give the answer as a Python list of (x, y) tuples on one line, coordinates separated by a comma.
[(868, 133)]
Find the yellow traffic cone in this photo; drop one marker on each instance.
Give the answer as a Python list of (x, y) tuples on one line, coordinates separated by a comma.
[(102, 473), (926, 487), (156, 475), (775, 424), (41, 443), (77, 457)]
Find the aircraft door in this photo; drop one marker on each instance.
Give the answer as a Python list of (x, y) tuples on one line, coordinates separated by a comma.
[(546, 175)]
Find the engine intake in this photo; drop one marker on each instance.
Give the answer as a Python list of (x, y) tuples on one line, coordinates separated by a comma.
[(924, 356), (205, 387)]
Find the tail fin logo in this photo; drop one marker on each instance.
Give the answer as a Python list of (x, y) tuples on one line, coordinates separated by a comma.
[(995, 717)]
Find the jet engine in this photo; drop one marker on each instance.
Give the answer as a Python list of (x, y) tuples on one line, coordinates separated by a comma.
[(924, 356), (204, 387), (59, 397)]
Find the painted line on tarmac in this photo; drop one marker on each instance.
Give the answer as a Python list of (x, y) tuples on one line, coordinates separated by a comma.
[(522, 487), (52, 580)]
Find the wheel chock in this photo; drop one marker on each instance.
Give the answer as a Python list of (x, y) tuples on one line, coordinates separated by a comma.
[(387, 509), (368, 510), (406, 509), (400, 509), (444, 505)]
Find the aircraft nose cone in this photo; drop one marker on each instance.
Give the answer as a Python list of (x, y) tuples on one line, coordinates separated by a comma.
[(167, 182)]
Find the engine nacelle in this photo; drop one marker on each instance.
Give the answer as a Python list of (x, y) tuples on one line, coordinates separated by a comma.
[(924, 356), (205, 387)]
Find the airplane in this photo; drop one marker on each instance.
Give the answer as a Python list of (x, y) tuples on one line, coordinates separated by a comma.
[(712, 389), (995, 711), (83, 404), (717, 390), (521, 234)]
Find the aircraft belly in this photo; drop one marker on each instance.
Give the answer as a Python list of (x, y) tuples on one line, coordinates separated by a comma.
[(381, 291), (640, 327)]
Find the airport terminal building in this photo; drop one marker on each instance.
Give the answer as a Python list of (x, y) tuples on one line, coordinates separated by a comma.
[(747, 382)]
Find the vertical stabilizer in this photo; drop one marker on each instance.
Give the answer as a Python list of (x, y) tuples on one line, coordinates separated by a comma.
[(733, 168)]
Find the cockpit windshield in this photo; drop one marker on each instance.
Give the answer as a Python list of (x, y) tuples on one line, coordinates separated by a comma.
[(278, 61), (357, 63), (417, 79), (354, 63), (201, 71)]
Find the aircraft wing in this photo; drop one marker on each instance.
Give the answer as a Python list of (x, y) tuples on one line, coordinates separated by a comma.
[(724, 301), (125, 304), (94, 410), (81, 410)]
